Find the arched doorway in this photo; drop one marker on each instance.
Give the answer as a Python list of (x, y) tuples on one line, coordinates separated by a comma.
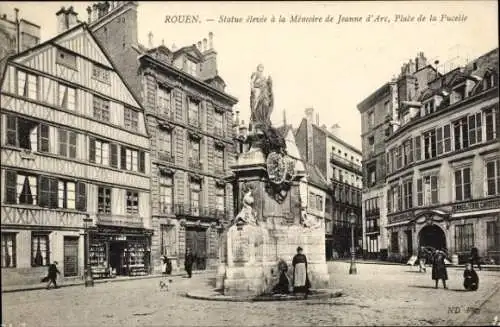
[(432, 235)]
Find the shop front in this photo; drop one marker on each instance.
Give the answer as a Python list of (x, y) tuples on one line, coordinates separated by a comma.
[(119, 252)]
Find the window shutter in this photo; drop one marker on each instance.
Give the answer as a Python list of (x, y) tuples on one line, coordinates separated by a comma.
[(10, 186), (142, 161), (53, 193), (114, 155), (81, 202), (44, 138), (11, 130), (123, 155), (43, 191), (92, 150)]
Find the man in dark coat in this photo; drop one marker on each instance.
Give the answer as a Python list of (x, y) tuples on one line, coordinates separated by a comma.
[(474, 254), (188, 262), (52, 275), (439, 268), (471, 280)]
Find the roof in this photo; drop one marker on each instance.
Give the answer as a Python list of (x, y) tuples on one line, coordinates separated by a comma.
[(284, 129), (315, 177), (337, 139), (367, 102)]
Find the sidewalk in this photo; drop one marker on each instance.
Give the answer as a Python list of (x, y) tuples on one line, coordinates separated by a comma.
[(487, 311), (380, 262), (80, 281)]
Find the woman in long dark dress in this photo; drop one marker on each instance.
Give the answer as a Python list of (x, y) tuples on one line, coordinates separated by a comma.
[(471, 280), (439, 268), (301, 282)]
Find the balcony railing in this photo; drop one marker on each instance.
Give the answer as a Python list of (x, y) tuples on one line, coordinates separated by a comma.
[(491, 203), (166, 113), (166, 156), (373, 229), (372, 212), (219, 170), (339, 160), (194, 123), (201, 211), (195, 164), (219, 131), (134, 221)]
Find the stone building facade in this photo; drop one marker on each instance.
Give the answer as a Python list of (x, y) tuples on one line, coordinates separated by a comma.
[(443, 165), (379, 118), (189, 116), (75, 158)]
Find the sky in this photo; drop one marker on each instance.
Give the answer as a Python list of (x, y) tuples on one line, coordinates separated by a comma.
[(324, 65)]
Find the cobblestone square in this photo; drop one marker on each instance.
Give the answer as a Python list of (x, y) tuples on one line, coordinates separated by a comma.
[(377, 295)]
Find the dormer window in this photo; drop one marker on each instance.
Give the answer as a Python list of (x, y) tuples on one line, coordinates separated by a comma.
[(489, 81), (429, 107), (191, 67)]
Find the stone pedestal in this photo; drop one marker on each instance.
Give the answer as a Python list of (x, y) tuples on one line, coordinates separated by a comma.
[(253, 251)]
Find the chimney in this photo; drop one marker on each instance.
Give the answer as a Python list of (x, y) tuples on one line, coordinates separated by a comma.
[(284, 117), (211, 40), (411, 66), (89, 14), (205, 44), (420, 61), (72, 17), (199, 45), (95, 12), (317, 119), (309, 114), (150, 39), (174, 47)]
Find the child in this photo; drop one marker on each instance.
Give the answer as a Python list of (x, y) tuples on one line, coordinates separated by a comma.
[(471, 280)]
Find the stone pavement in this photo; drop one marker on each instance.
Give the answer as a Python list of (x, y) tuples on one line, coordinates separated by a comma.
[(377, 295)]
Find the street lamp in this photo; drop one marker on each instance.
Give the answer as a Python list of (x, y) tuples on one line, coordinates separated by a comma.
[(89, 281), (352, 220)]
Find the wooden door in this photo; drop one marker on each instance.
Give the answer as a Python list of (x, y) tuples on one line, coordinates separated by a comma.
[(70, 256), (196, 240)]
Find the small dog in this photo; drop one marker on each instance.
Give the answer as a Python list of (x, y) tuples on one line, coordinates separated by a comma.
[(164, 285)]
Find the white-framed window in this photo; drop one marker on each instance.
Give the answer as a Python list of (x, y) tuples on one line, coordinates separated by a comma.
[(102, 152), (132, 202), (191, 67), (475, 129), (493, 177), (104, 200), (166, 194), (407, 194), (40, 250), (492, 123), (66, 143), (131, 119), (67, 97), (430, 149), (461, 133), (66, 195), (27, 85), (428, 190), (8, 241), (463, 184), (164, 100), (443, 139), (101, 108), (20, 188), (408, 152), (132, 159)]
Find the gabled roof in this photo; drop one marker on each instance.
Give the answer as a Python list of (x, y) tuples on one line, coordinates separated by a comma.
[(191, 50), (315, 177), (216, 78)]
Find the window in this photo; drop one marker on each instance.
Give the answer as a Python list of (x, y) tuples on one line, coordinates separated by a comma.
[(193, 112), (191, 67), (164, 103), (165, 142), (475, 130), (194, 153), (464, 237), (371, 143), (387, 107), (491, 236), (492, 122), (104, 200), (394, 242), (408, 194), (66, 195), (101, 109), (194, 195), (166, 194), (443, 139), (168, 240), (49, 190), (427, 190), (219, 200), (371, 175), (461, 134), (399, 157), (219, 124), (132, 160), (20, 188), (131, 118), (67, 97), (418, 148), (101, 73), (101, 152), (8, 241), (67, 143), (219, 159), (40, 254), (408, 152), (371, 119), (66, 59), (27, 134), (462, 184), (27, 85), (132, 201), (430, 150), (390, 200), (493, 177)]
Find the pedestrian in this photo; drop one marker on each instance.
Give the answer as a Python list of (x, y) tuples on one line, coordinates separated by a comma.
[(422, 259), (188, 262), (52, 275), (439, 268), (471, 280), (474, 257), (301, 282)]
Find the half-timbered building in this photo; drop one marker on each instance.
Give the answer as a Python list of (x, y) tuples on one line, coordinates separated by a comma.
[(75, 157), (189, 118)]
